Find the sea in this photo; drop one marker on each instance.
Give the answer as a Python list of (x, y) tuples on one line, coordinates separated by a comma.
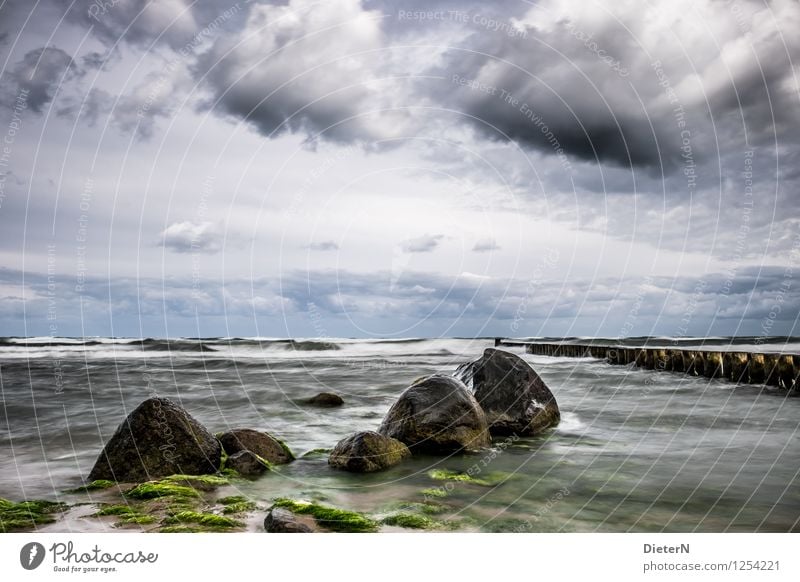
[(636, 450)]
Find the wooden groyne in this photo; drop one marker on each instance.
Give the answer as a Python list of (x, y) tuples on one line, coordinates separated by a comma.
[(773, 369)]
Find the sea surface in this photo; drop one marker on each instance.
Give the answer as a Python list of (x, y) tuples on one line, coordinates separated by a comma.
[(636, 450)]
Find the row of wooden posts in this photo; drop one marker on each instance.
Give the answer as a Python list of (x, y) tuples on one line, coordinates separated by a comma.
[(781, 370)]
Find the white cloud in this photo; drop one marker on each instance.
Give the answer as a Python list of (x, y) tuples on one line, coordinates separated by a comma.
[(191, 237)]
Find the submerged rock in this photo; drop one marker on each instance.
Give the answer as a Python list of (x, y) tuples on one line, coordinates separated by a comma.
[(325, 399), (281, 520), (437, 414), (246, 463), (261, 443), (367, 452), (511, 393), (158, 438)]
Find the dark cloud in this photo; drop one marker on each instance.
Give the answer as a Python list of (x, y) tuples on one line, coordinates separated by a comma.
[(40, 73)]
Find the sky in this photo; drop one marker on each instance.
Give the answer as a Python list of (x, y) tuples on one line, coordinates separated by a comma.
[(346, 168)]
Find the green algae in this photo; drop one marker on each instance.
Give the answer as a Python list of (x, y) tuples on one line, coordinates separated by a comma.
[(126, 513), (97, 485), (114, 510), (201, 482), (236, 504), (485, 480), (315, 453), (157, 489), (411, 521), (211, 520), (286, 449), (27, 514), (137, 519), (330, 518)]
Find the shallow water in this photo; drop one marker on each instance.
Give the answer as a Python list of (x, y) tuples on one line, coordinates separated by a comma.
[(636, 450)]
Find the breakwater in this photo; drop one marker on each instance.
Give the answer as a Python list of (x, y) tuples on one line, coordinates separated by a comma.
[(744, 367)]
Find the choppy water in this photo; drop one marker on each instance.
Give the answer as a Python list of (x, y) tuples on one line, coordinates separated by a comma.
[(636, 449)]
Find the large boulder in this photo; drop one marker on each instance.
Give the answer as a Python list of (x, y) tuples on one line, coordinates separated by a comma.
[(511, 393), (261, 443), (367, 452), (437, 414), (158, 438)]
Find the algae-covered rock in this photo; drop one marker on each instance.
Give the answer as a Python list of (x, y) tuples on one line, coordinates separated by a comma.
[(330, 518), (247, 464), (511, 393), (158, 438), (261, 443), (325, 400), (367, 452), (437, 414), (281, 520)]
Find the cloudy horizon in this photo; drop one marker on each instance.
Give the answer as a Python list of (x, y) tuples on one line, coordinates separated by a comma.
[(399, 169)]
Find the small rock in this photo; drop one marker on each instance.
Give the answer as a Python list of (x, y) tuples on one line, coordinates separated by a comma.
[(261, 443), (437, 414), (367, 452), (159, 438), (280, 520), (326, 399), (246, 463)]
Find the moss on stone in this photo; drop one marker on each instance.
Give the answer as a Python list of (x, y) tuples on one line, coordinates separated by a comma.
[(127, 514), (97, 485), (286, 449), (411, 521), (236, 504), (27, 514), (485, 479), (316, 453), (242, 507), (330, 518), (156, 489), (201, 482), (137, 519), (203, 519), (114, 510)]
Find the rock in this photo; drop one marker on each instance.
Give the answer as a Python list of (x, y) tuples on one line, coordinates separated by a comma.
[(367, 452), (325, 399), (511, 393), (280, 520), (437, 414), (261, 443), (158, 438), (246, 463)]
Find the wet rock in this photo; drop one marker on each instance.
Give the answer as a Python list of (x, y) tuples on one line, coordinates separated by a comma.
[(158, 438), (367, 452), (437, 414), (246, 463), (261, 443), (326, 400), (511, 393), (280, 520)]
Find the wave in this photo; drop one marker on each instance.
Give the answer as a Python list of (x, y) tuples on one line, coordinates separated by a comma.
[(158, 345), (310, 345)]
